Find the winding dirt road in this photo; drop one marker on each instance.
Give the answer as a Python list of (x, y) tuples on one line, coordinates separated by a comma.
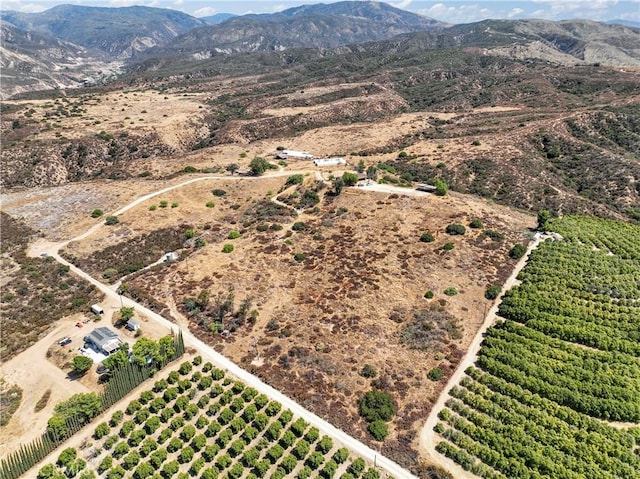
[(427, 435), (208, 353)]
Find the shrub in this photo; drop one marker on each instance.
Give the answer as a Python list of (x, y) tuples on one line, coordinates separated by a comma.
[(295, 180), (476, 223), (517, 251), (233, 234), (494, 235), (299, 226), (299, 257), (428, 294), (210, 204), (447, 246), (368, 371), (218, 192), (227, 248), (435, 374), (376, 405), (455, 229), (451, 291), (492, 292), (97, 213), (112, 220), (426, 237)]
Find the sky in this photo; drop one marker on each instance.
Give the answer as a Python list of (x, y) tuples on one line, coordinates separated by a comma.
[(452, 11)]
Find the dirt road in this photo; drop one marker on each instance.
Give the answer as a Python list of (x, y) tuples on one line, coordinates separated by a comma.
[(209, 354), (427, 435)]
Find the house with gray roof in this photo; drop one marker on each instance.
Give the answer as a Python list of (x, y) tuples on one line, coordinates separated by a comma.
[(103, 340)]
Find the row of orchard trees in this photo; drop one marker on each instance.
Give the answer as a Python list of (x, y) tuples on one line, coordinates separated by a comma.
[(200, 421), (566, 360), (71, 415)]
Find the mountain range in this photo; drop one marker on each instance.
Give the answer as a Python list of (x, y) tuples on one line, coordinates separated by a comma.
[(72, 45)]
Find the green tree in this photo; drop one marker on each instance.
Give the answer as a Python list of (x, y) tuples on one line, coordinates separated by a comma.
[(101, 430), (338, 184), (492, 292), (82, 406), (126, 313), (258, 166), (67, 456), (232, 168), (426, 237), (227, 248), (112, 220), (145, 351), (543, 217), (435, 374), (455, 229), (350, 179), (451, 291), (441, 187), (377, 405), (97, 213), (361, 166), (517, 251), (81, 364), (116, 360)]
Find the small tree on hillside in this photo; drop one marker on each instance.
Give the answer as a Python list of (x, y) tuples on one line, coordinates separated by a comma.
[(81, 364)]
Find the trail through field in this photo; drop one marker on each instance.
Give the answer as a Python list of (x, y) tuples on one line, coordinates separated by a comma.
[(207, 352), (428, 435)]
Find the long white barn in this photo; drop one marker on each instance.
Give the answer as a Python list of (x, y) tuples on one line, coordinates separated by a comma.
[(298, 154)]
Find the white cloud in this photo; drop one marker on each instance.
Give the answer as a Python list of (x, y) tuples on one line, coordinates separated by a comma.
[(204, 12), (278, 8), (559, 6), (515, 12), (18, 6), (404, 4), (124, 3), (459, 13), (178, 3)]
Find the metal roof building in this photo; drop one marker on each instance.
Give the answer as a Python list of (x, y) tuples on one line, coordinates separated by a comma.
[(104, 340)]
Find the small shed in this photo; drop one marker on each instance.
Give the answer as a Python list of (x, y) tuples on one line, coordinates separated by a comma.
[(97, 309), (170, 256), (132, 325), (329, 161)]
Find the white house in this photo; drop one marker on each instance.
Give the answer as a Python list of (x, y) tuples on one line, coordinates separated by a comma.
[(329, 161)]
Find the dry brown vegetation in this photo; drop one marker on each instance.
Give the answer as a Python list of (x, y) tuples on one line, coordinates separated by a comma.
[(341, 289), (36, 291)]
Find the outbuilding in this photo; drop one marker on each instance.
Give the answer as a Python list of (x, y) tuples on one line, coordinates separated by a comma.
[(336, 161), (132, 325), (297, 154), (103, 340)]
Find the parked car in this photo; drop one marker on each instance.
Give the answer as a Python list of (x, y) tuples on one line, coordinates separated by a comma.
[(101, 369), (79, 325), (64, 341)]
